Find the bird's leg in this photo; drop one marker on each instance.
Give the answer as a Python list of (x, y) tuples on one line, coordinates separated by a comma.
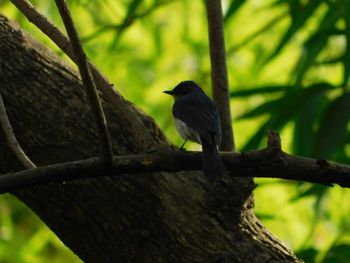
[(182, 146)]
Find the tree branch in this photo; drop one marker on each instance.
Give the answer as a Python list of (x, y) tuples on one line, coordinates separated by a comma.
[(219, 72), (270, 162), (84, 69), (11, 138), (50, 30), (127, 22)]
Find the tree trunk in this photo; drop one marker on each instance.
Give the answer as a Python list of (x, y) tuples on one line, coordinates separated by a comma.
[(158, 217)]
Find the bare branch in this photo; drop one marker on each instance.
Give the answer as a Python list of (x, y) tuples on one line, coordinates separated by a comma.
[(127, 22), (11, 138), (270, 162), (219, 72), (84, 69), (112, 96), (45, 26)]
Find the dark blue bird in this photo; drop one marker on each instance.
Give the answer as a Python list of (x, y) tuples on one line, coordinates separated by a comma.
[(197, 120)]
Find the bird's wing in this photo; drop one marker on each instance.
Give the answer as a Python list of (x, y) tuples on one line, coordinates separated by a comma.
[(200, 114)]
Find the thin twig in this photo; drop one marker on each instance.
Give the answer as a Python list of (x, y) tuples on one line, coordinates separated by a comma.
[(45, 26), (127, 22), (11, 138), (219, 72), (270, 162), (112, 96), (84, 69)]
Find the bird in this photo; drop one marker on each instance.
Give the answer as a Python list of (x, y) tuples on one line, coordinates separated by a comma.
[(197, 119)]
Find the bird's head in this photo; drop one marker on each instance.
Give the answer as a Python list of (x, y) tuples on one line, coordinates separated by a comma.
[(184, 88)]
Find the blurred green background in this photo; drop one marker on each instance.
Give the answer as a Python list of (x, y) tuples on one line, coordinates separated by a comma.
[(288, 64)]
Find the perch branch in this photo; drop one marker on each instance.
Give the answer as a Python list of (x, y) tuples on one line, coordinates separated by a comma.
[(11, 138), (219, 72), (270, 162), (84, 69)]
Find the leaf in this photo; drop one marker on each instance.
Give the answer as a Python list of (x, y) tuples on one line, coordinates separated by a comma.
[(132, 8), (280, 2), (346, 57), (256, 139), (127, 21), (330, 61), (300, 14), (304, 133), (257, 91), (265, 217), (317, 191), (280, 117), (158, 40), (307, 190), (338, 254), (315, 44), (282, 111), (341, 156), (266, 107), (307, 255), (332, 130), (234, 6)]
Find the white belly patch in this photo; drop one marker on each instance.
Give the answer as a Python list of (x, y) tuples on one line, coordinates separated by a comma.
[(186, 132)]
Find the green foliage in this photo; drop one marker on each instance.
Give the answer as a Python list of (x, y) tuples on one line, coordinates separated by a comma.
[(232, 9), (332, 131), (308, 254), (312, 107), (24, 238), (289, 68), (338, 254)]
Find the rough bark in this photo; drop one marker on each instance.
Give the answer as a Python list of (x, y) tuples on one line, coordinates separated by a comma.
[(219, 77), (268, 163), (154, 217)]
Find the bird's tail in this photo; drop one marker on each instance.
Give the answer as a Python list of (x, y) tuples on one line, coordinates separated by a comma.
[(213, 166)]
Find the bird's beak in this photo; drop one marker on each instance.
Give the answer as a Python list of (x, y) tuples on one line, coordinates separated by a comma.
[(170, 92)]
